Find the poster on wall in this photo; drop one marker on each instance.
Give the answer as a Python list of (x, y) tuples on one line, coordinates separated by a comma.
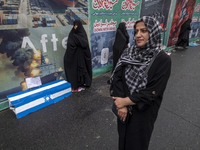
[(104, 19), (195, 25), (26, 53), (33, 39), (183, 11), (41, 13), (156, 8)]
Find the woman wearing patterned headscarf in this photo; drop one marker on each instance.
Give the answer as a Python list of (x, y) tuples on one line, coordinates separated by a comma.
[(120, 43), (146, 72), (77, 59)]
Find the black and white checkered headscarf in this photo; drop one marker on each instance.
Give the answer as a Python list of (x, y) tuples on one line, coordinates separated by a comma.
[(137, 58)]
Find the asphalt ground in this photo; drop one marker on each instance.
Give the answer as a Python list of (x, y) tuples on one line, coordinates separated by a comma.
[(84, 120)]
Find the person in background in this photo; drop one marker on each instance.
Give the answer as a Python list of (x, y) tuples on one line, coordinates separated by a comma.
[(77, 59), (183, 38), (121, 42), (147, 70)]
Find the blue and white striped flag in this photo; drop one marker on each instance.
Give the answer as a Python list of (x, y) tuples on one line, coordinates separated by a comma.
[(25, 102)]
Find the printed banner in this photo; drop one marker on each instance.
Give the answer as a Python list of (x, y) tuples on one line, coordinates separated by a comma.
[(29, 53), (158, 8), (183, 11), (195, 25), (104, 19), (33, 39)]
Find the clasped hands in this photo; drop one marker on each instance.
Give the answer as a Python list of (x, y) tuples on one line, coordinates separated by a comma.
[(121, 104)]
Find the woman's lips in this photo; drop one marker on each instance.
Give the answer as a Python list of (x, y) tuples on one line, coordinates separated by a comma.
[(139, 41)]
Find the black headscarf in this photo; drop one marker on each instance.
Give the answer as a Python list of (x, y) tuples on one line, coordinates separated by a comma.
[(80, 28), (185, 26), (122, 28), (137, 59)]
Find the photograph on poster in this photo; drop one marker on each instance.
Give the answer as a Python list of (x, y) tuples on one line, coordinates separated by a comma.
[(183, 11), (195, 32), (42, 13), (158, 9), (195, 25), (26, 53), (102, 42)]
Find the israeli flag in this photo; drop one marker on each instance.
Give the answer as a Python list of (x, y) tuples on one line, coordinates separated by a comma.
[(25, 102)]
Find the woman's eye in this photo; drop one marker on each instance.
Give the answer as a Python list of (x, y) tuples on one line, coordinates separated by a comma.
[(135, 32), (144, 30), (141, 30)]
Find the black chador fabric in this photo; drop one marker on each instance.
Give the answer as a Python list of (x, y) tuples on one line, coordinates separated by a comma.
[(121, 42), (77, 58), (183, 38)]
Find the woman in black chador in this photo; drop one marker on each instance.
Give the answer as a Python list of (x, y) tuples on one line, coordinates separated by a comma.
[(183, 38), (121, 42), (138, 83), (77, 59)]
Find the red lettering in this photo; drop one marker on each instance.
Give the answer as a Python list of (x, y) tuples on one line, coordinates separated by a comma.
[(104, 4), (129, 4), (99, 26)]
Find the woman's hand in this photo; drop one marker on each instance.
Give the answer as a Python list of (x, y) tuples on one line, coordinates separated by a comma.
[(122, 102), (122, 112), (119, 102)]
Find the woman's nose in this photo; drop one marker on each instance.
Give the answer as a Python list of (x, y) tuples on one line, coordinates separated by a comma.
[(138, 34)]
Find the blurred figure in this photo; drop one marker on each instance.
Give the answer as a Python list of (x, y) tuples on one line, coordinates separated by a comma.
[(183, 38), (121, 42), (77, 59)]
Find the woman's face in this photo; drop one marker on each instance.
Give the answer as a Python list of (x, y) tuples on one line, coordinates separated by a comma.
[(141, 34), (75, 26)]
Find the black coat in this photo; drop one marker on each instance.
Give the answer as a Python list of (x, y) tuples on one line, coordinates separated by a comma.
[(120, 43), (77, 58), (135, 135)]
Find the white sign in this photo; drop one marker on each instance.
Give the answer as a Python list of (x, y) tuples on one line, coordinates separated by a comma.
[(33, 82), (104, 55)]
